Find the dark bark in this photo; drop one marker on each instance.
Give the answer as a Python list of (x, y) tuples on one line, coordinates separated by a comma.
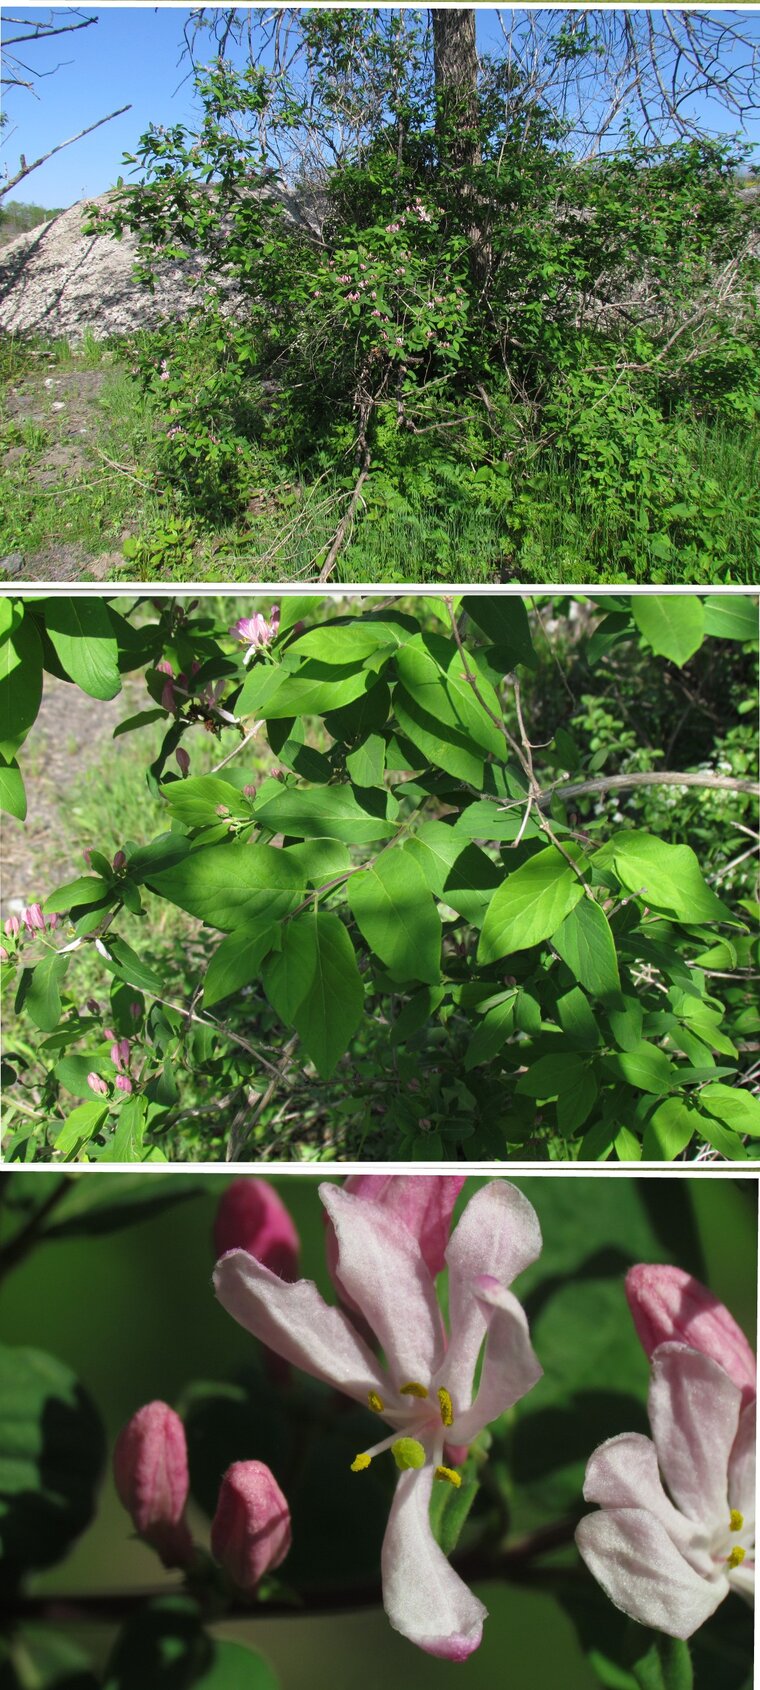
[(455, 62)]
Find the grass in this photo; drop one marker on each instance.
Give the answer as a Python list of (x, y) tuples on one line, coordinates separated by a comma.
[(111, 492)]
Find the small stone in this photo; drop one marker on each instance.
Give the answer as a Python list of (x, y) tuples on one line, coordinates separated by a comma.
[(58, 405), (12, 564)]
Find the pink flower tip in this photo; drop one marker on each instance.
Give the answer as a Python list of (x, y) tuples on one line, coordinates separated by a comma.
[(669, 1306), (423, 1203), (123, 1083), (33, 918), (183, 760), (120, 861), (97, 1085), (119, 1053), (151, 1474), (12, 927), (250, 1532), (4, 955), (252, 1217)]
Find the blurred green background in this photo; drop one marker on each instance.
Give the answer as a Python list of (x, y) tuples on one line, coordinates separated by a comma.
[(134, 1315)]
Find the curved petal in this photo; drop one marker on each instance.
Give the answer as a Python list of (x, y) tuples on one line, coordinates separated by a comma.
[(295, 1322), (498, 1235), (381, 1266), (741, 1466), (668, 1304), (423, 1597), (510, 1365), (424, 1202), (631, 1556), (694, 1415), (623, 1473)]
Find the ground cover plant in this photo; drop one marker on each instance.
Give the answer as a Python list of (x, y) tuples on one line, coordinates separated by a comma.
[(464, 315), (213, 1512), (422, 878)]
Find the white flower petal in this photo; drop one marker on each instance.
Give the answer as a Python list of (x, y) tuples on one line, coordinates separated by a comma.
[(741, 1466), (623, 1473), (382, 1268), (295, 1322), (498, 1235), (632, 1557), (510, 1365), (423, 1596), (694, 1415)]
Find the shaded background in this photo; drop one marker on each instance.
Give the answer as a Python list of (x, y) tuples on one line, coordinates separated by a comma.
[(134, 1315)]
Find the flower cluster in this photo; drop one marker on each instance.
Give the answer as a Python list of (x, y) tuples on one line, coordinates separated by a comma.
[(255, 632)]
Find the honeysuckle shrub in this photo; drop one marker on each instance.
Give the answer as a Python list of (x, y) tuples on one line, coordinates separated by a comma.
[(98, 1241), (465, 332), (427, 890)]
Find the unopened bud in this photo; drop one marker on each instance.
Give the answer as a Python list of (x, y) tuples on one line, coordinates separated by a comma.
[(33, 918), (13, 927), (4, 955), (123, 1083), (150, 1470), (183, 760), (252, 1217), (669, 1306), (168, 701), (97, 1085), (250, 1532), (120, 861), (119, 1053)]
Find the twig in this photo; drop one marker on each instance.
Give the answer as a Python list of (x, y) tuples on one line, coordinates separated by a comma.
[(27, 169), (252, 732), (345, 522), (243, 1125), (112, 464), (615, 783)]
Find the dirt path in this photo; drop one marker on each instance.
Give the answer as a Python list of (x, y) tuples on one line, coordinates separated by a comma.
[(67, 740)]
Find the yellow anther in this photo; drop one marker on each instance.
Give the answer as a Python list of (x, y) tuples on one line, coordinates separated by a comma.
[(407, 1452), (447, 1410), (449, 1475), (413, 1389), (360, 1462), (375, 1402), (736, 1557), (737, 1520)]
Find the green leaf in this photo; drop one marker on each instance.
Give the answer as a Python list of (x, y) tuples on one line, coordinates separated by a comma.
[(585, 943), (82, 635), (12, 794), (503, 617), (460, 874), (529, 905), (20, 685), (436, 707), (197, 799), (92, 1207), (127, 1142), (40, 991), (673, 624), (272, 692), (646, 1067), (551, 1075), (736, 1107), (51, 1456), (666, 876), (366, 765), (80, 1126), (314, 985), (328, 813), (78, 894), (394, 910), (129, 967), (237, 961), (233, 885), (664, 1665), (166, 1646), (348, 642), (449, 1508), (731, 616), (668, 1131), (491, 1033)]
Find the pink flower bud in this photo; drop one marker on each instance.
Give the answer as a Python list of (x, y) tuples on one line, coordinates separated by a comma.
[(33, 918), (252, 1217), (52, 920), (108, 1033), (168, 701), (13, 927), (119, 1053), (164, 667), (135, 1010), (123, 1083), (250, 1531), (668, 1305), (120, 861), (93, 1006), (424, 1203), (97, 1085), (183, 760), (150, 1470), (87, 858), (4, 955)]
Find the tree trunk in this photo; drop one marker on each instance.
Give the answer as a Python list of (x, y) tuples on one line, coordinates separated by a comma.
[(455, 62)]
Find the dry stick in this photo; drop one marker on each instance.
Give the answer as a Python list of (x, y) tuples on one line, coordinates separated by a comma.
[(244, 1123), (112, 464), (345, 523), (28, 168), (237, 748), (615, 783)]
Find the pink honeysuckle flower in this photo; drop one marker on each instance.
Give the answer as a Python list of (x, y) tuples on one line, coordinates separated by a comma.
[(668, 1304), (424, 1392), (250, 1531), (4, 955), (33, 918), (12, 927), (119, 1053), (255, 631), (668, 1554), (123, 1083), (252, 1217), (97, 1085), (150, 1470), (425, 1204)]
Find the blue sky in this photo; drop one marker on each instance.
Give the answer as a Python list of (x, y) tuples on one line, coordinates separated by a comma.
[(131, 55)]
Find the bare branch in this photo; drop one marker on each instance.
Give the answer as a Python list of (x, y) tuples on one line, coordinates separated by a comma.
[(26, 169)]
